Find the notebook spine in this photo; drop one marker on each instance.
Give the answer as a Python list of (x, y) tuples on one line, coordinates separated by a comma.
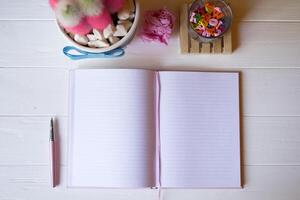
[(158, 152)]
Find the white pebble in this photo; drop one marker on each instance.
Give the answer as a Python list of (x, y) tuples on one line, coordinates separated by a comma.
[(131, 16), (123, 14), (98, 34), (91, 37), (126, 23), (81, 39), (109, 31), (121, 31), (98, 44), (113, 39), (127, 9)]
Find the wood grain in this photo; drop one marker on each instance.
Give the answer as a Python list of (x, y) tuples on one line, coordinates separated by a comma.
[(255, 10), (33, 91), (33, 87), (271, 140), (205, 48), (184, 43), (217, 46), (266, 141), (38, 91), (17, 134), (273, 92), (254, 49), (195, 46), (271, 161), (261, 182), (227, 43), (32, 182)]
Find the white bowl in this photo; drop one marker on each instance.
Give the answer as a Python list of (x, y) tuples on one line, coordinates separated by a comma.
[(122, 42)]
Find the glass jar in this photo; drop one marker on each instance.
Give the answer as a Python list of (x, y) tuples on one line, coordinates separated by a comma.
[(220, 5)]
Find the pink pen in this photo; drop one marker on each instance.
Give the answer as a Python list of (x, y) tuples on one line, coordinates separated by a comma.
[(52, 154)]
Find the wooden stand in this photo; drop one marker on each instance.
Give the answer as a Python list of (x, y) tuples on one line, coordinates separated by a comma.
[(190, 46)]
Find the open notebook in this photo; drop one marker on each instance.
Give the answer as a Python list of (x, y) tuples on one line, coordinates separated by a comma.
[(133, 128)]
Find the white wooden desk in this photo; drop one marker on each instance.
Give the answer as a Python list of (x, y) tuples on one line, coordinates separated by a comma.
[(33, 87)]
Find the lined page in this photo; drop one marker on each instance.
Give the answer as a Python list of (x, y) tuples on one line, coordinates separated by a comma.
[(199, 129), (112, 128)]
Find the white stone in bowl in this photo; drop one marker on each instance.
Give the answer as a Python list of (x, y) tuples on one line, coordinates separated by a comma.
[(121, 31), (109, 31), (113, 39), (91, 37), (98, 34), (126, 23), (81, 39), (122, 42)]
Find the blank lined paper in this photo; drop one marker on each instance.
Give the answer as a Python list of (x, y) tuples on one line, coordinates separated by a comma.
[(112, 128), (199, 129), (115, 115)]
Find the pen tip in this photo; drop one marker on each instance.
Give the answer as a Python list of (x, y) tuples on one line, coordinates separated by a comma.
[(52, 129)]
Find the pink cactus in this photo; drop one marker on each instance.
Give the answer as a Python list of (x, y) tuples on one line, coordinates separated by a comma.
[(100, 21), (53, 3), (114, 5), (70, 17), (82, 28), (96, 13), (80, 16)]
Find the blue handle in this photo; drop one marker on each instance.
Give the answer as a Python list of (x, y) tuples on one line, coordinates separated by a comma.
[(118, 52)]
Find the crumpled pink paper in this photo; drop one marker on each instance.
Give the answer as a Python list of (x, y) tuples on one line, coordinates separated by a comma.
[(158, 26)]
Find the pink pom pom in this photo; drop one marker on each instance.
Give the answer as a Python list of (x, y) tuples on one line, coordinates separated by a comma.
[(82, 28), (53, 3), (100, 21), (114, 5), (158, 26)]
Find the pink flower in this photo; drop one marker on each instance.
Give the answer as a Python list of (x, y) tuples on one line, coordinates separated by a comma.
[(158, 26)]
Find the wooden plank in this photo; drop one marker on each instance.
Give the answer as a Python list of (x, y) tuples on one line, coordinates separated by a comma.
[(184, 41), (262, 183), (276, 50), (43, 91), (205, 48), (253, 49), (255, 10), (271, 92), (25, 171), (217, 46), (32, 182), (227, 43), (32, 9), (267, 10), (25, 140), (33, 91), (194, 46), (37, 43), (265, 140), (271, 140)]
